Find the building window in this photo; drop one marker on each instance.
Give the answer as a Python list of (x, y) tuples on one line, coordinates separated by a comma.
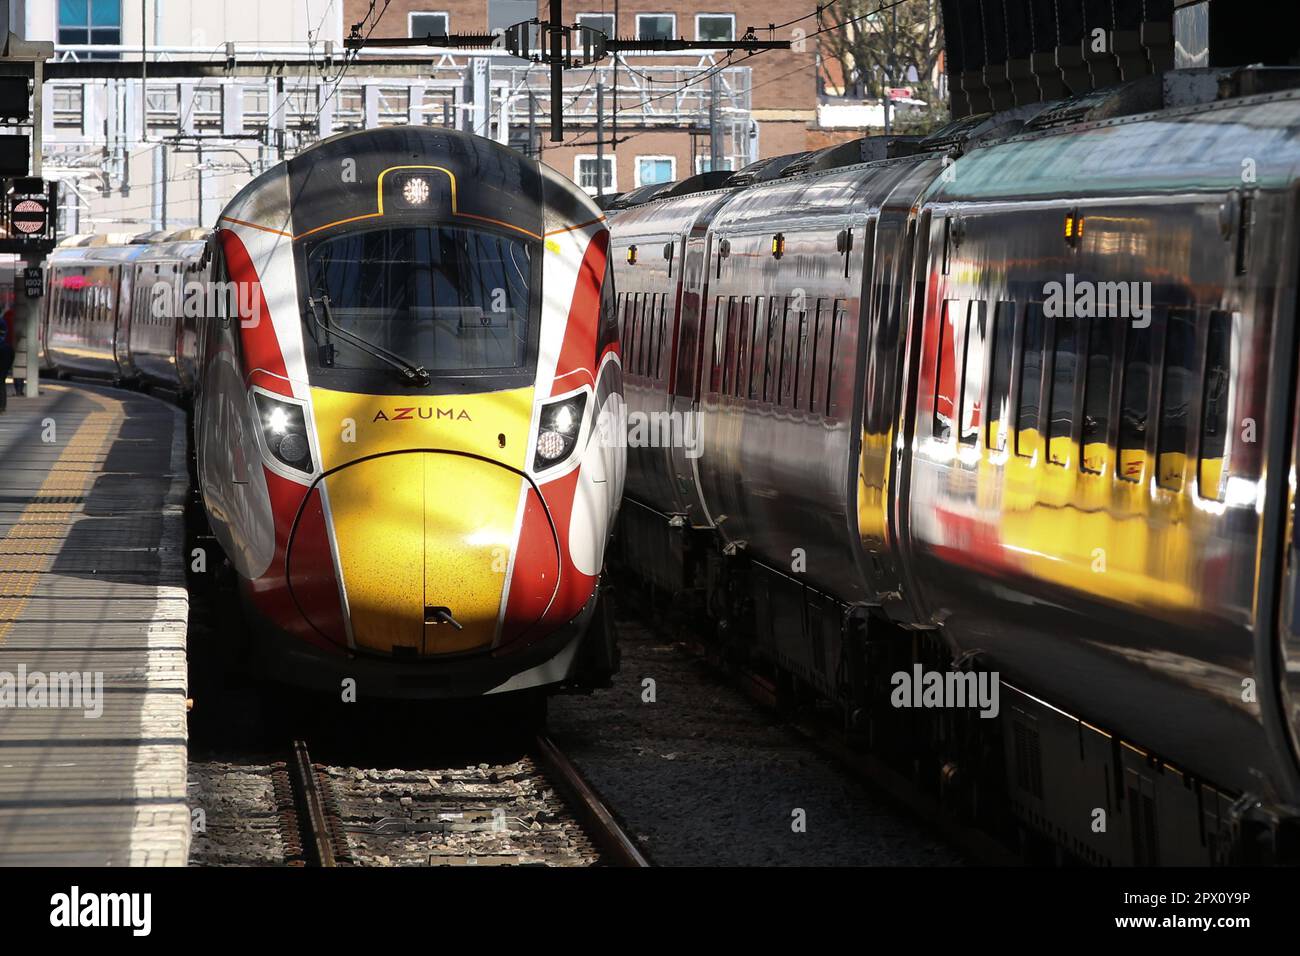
[(67, 103), (429, 24), (85, 22), (704, 163), (604, 22), (585, 173), (163, 106), (655, 169), (715, 26), (503, 14), (206, 107), (656, 26)]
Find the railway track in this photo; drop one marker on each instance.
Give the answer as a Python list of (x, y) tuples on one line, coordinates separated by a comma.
[(536, 810)]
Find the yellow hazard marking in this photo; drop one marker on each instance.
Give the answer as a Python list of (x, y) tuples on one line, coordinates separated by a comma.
[(54, 506)]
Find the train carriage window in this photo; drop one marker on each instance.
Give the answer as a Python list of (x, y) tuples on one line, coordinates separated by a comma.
[(836, 330), (758, 349), (634, 300), (638, 317), (666, 310), (1094, 441), (972, 409), (719, 342), (772, 372), (646, 345), (1215, 397), (732, 340), (743, 346), (1176, 391), (819, 394), (629, 309), (1135, 404), (645, 315), (1060, 418), (656, 335), (729, 345), (807, 389), (999, 400), (802, 361), (642, 319), (656, 323), (945, 372), (1029, 395), (666, 336), (661, 346), (802, 397), (644, 322), (794, 320)]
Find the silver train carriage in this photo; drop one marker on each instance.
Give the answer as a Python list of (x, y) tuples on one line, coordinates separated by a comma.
[(120, 312), (1033, 408)]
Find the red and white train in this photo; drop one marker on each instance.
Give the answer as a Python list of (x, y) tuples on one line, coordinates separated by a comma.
[(404, 368)]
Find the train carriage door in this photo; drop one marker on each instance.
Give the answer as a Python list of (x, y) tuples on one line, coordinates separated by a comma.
[(695, 284), (689, 349), (677, 305), (184, 331), (917, 277), (120, 284)]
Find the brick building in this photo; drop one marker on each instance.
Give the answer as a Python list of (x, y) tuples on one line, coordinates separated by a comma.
[(765, 105)]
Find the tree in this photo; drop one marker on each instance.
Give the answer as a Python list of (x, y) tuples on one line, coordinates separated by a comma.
[(877, 49)]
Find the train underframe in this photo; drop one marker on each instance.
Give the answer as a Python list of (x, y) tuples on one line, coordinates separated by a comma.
[(1056, 787)]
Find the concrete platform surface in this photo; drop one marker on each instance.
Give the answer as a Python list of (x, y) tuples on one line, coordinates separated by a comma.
[(93, 618)]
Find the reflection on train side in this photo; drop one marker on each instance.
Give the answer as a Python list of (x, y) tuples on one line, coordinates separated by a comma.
[(1086, 467)]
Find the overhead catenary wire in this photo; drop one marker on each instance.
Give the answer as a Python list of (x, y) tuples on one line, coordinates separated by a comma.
[(718, 68), (349, 60)]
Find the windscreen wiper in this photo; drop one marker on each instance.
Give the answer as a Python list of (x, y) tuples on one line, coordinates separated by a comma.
[(412, 373)]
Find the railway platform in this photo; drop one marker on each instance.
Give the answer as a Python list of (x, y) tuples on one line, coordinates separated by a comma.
[(93, 618)]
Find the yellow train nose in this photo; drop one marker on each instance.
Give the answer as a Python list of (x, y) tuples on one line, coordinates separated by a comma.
[(424, 543)]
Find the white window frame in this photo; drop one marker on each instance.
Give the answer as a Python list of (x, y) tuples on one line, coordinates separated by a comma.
[(702, 158), (598, 16), (410, 19), (672, 168), (729, 16), (609, 163), (642, 16)]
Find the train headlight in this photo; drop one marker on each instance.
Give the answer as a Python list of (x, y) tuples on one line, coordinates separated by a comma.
[(557, 434), (416, 191), (284, 432)]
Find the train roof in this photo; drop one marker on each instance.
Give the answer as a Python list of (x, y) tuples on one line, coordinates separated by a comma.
[(162, 249), (96, 255), (406, 173)]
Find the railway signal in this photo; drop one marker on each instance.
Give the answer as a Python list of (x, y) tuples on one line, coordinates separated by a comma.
[(26, 229)]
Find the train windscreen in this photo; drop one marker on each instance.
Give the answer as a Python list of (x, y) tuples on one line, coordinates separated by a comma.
[(448, 299)]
